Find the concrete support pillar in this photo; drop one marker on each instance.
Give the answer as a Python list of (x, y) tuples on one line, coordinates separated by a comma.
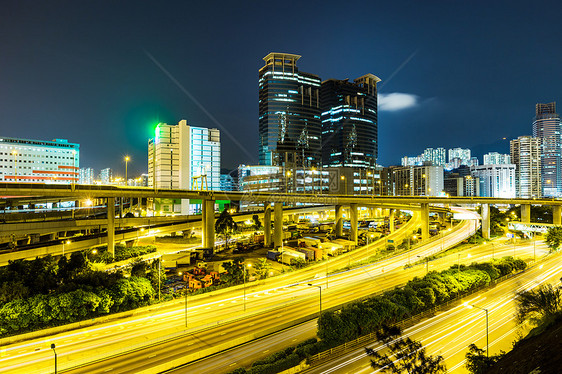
[(354, 227), (339, 220), (372, 212), (111, 225), (425, 221), (267, 225), (121, 207), (557, 214), (391, 213), (278, 225), (485, 221), (208, 224), (526, 213)]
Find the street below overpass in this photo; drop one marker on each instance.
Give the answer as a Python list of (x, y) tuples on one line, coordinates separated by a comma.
[(154, 340)]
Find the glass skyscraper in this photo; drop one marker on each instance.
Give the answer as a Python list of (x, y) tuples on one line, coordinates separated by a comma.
[(546, 126), (349, 122), (289, 113)]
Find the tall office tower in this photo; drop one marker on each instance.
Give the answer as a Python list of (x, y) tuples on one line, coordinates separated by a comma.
[(290, 130), (496, 180), (462, 153), (526, 155), (495, 158), (349, 122), (183, 157), (435, 155), (39, 161), (546, 127), (106, 176), (86, 176)]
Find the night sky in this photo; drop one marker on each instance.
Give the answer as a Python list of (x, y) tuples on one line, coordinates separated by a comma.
[(103, 73)]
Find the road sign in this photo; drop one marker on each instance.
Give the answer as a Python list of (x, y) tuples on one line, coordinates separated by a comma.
[(509, 235), (390, 241)]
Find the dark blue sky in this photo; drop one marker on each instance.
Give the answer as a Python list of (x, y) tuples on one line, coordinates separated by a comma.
[(470, 71)]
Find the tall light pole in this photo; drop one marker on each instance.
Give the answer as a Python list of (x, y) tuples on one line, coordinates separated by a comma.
[(245, 272), (15, 153), (487, 331), (63, 243), (186, 288), (55, 352), (319, 289), (127, 159), (344, 182)]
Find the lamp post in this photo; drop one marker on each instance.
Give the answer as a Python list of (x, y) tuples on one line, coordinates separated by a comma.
[(186, 288), (245, 272), (127, 159), (426, 263), (319, 289), (15, 153), (63, 243), (345, 183), (55, 352), (487, 330)]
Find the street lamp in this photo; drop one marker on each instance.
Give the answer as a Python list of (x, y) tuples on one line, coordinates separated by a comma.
[(320, 290), (345, 182), (127, 159), (426, 263), (245, 272), (186, 288), (55, 352), (487, 331), (63, 243)]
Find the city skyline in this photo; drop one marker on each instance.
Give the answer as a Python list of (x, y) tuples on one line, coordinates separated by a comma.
[(97, 75)]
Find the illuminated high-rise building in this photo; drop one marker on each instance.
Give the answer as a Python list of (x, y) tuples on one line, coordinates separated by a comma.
[(546, 127), (526, 155), (437, 156), (289, 113), (463, 154), (39, 161), (349, 122), (183, 157), (495, 158)]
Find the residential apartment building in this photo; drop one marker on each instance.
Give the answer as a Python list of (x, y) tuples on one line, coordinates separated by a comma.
[(418, 180), (525, 153), (497, 180)]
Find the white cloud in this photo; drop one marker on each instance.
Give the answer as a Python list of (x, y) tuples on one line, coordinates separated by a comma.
[(395, 101)]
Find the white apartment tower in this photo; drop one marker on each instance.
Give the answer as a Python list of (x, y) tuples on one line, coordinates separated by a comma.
[(526, 155), (183, 157)]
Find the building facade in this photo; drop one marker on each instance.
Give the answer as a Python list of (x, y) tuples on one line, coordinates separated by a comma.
[(437, 156), (349, 122), (39, 161), (183, 157), (463, 154), (87, 176), (496, 180), (418, 180), (106, 176), (290, 130), (495, 158), (546, 127), (525, 153)]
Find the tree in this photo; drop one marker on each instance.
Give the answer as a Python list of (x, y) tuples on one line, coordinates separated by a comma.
[(257, 222), (262, 268), (406, 355), (225, 226), (234, 271), (477, 362), (553, 237), (538, 304)]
